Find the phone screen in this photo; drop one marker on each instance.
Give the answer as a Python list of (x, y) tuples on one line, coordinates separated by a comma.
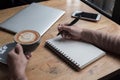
[(87, 15)]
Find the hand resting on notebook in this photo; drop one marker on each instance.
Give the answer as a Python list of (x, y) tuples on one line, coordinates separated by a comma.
[(105, 41)]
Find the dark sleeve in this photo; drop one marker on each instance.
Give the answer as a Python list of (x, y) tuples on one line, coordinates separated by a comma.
[(105, 41), (5, 4)]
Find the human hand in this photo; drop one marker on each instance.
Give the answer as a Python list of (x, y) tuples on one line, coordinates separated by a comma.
[(73, 32), (17, 62)]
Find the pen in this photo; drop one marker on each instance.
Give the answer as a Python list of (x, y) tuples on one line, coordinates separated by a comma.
[(70, 24)]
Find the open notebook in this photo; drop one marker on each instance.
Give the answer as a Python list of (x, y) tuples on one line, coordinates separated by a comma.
[(76, 53), (35, 17)]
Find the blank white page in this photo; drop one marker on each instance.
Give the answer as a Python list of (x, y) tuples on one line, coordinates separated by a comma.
[(80, 53)]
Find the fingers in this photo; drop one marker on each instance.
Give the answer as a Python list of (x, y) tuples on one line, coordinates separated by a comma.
[(67, 34), (14, 50), (12, 54), (18, 49), (28, 56), (64, 27)]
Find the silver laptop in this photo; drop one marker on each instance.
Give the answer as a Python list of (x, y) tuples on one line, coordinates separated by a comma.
[(34, 17)]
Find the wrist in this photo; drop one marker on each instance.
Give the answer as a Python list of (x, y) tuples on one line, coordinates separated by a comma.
[(84, 35), (18, 76), (81, 34)]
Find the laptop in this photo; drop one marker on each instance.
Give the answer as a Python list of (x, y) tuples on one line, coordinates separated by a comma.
[(34, 17)]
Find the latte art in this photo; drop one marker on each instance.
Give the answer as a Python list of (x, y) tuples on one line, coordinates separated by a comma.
[(29, 40), (27, 37)]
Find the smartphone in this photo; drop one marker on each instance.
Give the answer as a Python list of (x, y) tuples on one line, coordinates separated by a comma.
[(87, 15)]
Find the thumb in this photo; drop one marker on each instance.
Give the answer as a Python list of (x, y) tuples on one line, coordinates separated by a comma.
[(12, 53), (19, 49)]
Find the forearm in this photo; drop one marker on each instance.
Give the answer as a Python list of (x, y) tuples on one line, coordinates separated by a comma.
[(18, 76), (109, 43)]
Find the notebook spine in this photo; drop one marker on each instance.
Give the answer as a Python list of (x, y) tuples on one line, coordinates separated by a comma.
[(65, 57)]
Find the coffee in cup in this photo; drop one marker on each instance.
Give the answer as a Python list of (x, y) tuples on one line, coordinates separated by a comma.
[(29, 39)]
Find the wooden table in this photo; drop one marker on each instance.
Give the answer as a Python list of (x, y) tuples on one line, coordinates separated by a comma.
[(46, 66)]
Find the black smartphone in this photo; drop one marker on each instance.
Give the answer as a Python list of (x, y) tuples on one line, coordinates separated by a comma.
[(87, 15)]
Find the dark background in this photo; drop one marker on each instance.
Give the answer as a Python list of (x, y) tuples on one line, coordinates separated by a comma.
[(13, 3)]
